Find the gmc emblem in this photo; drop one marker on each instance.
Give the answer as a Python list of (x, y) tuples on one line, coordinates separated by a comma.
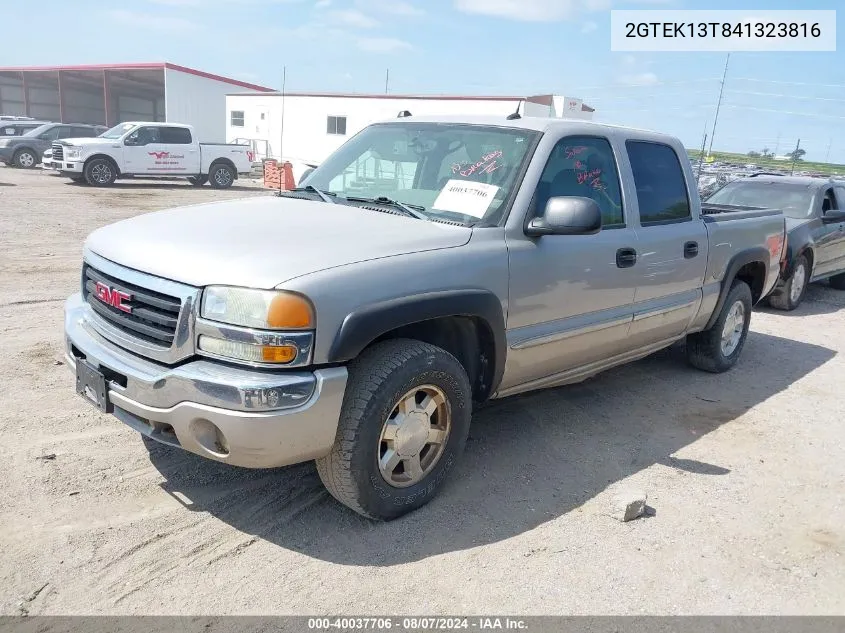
[(113, 297)]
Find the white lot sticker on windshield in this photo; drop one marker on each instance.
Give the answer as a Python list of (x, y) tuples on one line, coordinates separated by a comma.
[(464, 196)]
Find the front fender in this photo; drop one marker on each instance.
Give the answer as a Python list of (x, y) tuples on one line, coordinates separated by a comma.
[(360, 328)]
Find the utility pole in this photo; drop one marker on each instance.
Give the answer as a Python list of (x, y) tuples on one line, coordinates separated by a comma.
[(794, 156), (777, 144), (282, 133), (387, 82), (827, 154), (719, 104)]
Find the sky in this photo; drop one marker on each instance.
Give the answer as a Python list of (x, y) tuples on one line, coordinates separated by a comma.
[(478, 47)]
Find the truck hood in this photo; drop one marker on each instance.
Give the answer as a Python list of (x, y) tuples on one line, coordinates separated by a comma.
[(264, 241), (89, 140)]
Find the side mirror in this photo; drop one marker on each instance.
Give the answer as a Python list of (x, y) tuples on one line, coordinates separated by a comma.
[(833, 216), (567, 216)]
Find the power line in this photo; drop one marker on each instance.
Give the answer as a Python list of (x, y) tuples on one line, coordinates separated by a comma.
[(651, 85), (775, 94), (788, 83), (806, 114)]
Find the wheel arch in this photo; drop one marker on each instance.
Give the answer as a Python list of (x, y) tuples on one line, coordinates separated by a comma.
[(224, 161), (105, 157), (750, 266), (470, 324)]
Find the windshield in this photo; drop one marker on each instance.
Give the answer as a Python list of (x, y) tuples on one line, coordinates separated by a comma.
[(456, 172), (117, 131), (38, 130), (795, 200)]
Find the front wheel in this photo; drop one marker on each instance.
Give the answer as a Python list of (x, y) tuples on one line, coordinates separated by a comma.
[(717, 350), (403, 426), (100, 172), (25, 159), (792, 292), (221, 176)]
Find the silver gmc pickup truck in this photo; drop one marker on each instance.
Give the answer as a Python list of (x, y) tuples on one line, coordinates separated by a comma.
[(427, 265)]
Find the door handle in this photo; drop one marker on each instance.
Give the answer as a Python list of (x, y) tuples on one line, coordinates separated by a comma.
[(626, 257), (690, 250)]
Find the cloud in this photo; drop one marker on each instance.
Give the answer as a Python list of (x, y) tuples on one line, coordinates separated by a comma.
[(589, 27), (353, 18), (151, 21), (391, 7), (382, 44), (322, 4), (542, 10), (639, 79), (523, 10)]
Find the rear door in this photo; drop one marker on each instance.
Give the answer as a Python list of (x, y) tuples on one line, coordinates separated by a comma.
[(184, 155), (672, 245)]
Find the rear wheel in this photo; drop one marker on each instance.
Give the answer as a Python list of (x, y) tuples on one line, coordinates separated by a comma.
[(25, 158), (100, 172), (793, 290), (221, 176), (198, 181), (717, 350), (838, 281), (404, 424)]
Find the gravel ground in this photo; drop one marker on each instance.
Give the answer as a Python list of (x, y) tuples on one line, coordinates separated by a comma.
[(745, 476)]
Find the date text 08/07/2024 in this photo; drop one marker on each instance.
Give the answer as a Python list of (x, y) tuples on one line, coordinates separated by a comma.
[(417, 623)]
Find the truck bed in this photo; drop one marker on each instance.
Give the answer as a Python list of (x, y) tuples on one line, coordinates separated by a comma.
[(723, 212)]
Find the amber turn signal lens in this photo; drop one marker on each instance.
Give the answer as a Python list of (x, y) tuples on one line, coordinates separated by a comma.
[(290, 311), (282, 354)]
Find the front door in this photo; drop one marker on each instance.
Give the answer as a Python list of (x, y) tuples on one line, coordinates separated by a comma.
[(829, 237), (141, 150), (571, 296), (673, 246)]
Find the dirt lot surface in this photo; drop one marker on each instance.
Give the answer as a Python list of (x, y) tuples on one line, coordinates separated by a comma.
[(745, 473)]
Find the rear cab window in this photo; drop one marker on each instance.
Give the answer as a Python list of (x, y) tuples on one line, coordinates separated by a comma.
[(660, 183), (175, 135), (583, 166)]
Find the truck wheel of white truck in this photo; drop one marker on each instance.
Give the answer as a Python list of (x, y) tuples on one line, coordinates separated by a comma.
[(403, 426), (718, 349), (100, 172), (221, 176)]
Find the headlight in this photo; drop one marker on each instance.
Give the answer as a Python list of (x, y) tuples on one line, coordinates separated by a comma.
[(73, 152), (260, 309)]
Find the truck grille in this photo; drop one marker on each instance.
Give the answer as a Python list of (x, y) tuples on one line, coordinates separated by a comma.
[(58, 152), (152, 316)]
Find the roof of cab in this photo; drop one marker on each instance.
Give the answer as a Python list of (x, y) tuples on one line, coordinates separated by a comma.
[(539, 124)]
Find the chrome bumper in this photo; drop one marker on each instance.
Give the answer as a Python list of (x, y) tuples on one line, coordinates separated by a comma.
[(243, 417)]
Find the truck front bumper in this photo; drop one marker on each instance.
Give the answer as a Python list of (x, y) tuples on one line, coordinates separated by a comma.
[(69, 167), (215, 410)]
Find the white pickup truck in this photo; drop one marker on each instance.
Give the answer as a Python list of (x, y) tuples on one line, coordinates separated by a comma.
[(150, 149)]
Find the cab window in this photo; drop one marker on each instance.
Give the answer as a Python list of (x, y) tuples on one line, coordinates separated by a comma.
[(583, 166)]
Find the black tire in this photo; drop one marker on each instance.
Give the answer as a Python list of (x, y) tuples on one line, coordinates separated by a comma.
[(26, 158), (784, 299), (704, 349), (100, 172), (221, 176), (198, 181), (838, 281), (378, 380)]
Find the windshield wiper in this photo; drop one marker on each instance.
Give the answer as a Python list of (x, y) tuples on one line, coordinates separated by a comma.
[(325, 196), (411, 210)]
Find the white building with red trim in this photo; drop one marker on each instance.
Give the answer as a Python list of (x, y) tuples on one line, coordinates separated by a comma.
[(107, 94), (307, 127)]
